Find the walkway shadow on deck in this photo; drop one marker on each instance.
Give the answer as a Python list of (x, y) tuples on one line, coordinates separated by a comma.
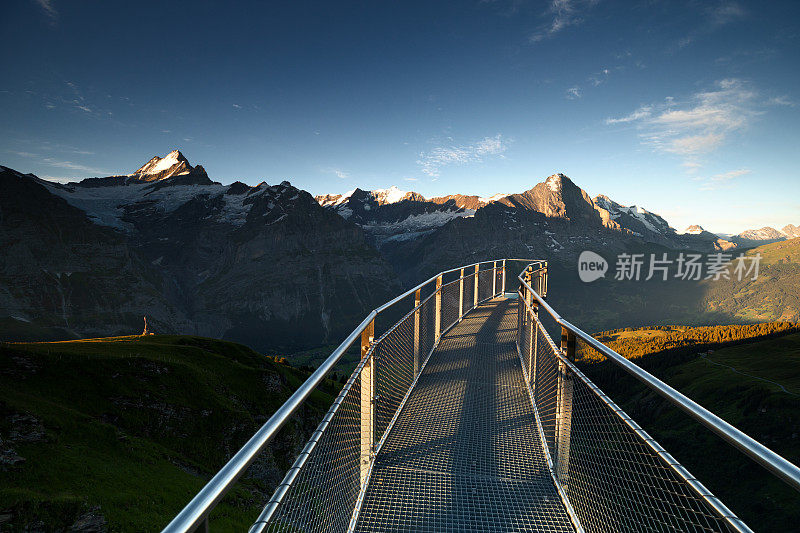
[(464, 453)]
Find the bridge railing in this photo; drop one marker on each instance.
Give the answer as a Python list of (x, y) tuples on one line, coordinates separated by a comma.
[(610, 473), (322, 490)]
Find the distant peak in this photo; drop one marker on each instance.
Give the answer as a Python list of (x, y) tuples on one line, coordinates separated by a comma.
[(173, 167), (160, 168), (694, 229), (391, 195)]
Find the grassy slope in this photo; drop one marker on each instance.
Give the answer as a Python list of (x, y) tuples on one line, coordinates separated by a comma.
[(750, 402), (608, 303), (137, 424), (772, 296)]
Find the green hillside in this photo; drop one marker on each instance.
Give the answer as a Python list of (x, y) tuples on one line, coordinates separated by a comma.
[(753, 385), (774, 295), (123, 431), (609, 303)]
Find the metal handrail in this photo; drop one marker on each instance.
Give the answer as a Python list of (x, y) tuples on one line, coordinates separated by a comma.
[(197, 510), (776, 464), (720, 508)]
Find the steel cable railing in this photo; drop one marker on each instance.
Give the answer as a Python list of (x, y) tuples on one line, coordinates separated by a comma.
[(611, 474), (322, 491), (305, 506)]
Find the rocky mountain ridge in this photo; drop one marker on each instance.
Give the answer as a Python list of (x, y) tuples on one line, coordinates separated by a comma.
[(766, 235), (263, 265), (270, 265), (410, 217)]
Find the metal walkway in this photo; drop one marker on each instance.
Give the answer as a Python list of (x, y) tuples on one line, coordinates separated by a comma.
[(465, 415), (464, 454)]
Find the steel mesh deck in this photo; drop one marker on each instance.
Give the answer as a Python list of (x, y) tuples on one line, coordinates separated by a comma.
[(464, 454)]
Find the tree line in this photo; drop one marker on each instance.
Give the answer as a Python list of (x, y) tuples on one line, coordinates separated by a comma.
[(681, 340)]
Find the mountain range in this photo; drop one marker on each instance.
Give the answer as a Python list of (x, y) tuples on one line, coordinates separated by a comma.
[(270, 265), (765, 235), (264, 265)]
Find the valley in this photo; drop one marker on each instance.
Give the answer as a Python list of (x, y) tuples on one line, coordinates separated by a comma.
[(754, 385)]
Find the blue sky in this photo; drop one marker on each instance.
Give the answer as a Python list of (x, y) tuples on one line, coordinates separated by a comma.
[(688, 108)]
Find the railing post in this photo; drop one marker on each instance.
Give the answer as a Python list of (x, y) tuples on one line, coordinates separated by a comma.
[(438, 311), (461, 295), (528, 280), (475, 294), (504, 276), (543, 276), (494, 279), (416, 331), (533, 345), (367, 400), (564, 408), (531, 362)]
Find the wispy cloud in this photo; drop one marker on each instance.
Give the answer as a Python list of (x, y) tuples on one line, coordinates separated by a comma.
[(237, 106), (782, 101), (712, 17), (69, 165), (599, 78), (698, 126), (573, 93), (49, 10), (725, 13), (411, 179), (642, 112), (59, 162), (718, 180), (432, 162), (727, 176), (336, 171), (562, 14)]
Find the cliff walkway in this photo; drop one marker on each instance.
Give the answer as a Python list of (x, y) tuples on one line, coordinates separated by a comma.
[(465, 415)]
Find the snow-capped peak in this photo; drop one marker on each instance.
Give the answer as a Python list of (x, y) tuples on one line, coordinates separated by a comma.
[(159, 168), (554, 182), (392, 195), (329, 200), (492, 198), (694, 230)]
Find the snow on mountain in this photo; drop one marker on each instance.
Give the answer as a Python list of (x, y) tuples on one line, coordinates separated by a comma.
[(172, 161), (170, 166), (767, 235), (636, 219), (328, 200), (162, 185), (108, 206), (791, 231), (762, 234), (554, 182), (492, 198), (391, 195), (413, 226), (693, 230), (393, 214)]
